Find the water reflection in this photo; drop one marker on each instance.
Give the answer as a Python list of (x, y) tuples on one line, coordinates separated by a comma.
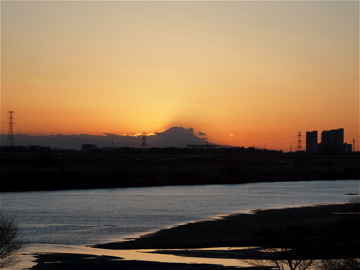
[(27, 256), (86, 217)]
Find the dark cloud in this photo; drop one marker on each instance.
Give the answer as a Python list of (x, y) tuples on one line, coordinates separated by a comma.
[(201, 133)]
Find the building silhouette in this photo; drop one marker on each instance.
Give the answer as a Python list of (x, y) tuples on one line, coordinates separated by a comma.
[(333, 137), (87, 148), (332, 142), (312, 145)]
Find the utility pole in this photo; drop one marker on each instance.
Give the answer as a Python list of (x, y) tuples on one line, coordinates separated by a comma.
[(354, 145), (299, 141), (144, 142), (10, 138)]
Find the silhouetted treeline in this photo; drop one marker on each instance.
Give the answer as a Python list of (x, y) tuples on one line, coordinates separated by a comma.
[(165, 151), (46, 169), (24, 149), (149, 151)]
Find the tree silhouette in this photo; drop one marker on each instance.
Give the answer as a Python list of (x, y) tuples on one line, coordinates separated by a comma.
[(10, 242), (285, 247)]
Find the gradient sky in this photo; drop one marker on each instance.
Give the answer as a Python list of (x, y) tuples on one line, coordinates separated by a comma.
[(245, 73)]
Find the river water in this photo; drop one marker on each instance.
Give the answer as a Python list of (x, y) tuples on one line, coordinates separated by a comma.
[(84, 217)]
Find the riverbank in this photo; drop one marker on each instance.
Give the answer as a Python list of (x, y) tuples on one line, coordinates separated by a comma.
[(240, 230), (45, 171)]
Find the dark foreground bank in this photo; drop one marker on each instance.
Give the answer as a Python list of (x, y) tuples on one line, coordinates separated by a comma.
[(241, 230), (45, 171)]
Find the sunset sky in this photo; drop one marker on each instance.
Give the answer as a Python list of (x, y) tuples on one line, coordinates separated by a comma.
[(246, 73)]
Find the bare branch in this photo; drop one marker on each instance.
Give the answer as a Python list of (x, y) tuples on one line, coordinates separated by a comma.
[(10, 242)]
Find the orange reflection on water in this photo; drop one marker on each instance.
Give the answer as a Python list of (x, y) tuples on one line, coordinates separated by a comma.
[(27, 256)]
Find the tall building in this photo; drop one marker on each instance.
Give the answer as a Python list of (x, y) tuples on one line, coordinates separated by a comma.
[(312, 141), (332, 142), (337, 136), (333, 137)]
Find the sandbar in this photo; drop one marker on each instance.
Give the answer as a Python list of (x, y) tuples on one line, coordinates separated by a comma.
[(232, 231)]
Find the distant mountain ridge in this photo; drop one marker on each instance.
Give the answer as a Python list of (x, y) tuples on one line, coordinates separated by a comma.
[(172, 137)]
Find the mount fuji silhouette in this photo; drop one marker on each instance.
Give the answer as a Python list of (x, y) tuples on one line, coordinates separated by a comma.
[(175, 137)]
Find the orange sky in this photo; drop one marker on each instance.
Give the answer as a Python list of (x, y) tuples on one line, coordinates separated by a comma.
[(245, 73)]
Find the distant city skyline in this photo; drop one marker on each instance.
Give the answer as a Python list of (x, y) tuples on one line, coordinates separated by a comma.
[(245, 73)]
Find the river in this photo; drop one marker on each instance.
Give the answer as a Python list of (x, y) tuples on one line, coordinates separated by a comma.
[(84, 217)]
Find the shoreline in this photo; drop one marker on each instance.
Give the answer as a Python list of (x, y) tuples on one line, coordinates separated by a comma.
[(232, 231)]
